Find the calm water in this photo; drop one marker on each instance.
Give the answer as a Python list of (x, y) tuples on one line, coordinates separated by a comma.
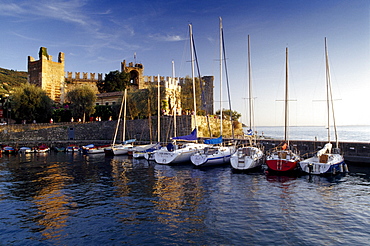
[(71, 199), (345, 133)]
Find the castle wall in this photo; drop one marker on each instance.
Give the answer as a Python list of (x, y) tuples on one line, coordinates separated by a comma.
[(51, 77), (75, 79)]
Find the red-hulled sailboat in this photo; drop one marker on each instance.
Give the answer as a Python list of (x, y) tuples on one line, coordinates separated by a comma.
[(283, 158)]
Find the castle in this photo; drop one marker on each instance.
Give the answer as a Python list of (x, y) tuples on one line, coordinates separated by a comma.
[(52, 78)]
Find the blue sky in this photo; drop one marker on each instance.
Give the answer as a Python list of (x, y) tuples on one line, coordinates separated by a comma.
[(97, 35)]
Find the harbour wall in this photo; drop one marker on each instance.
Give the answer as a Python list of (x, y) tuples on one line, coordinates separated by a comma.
[(102, 132), (142, 130)]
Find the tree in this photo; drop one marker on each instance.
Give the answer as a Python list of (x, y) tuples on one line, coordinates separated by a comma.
[(144, 103), (226, 114), (31, 103), (114, 81), (82, 100)]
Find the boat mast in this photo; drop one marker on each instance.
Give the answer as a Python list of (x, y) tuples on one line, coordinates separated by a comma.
[(250, 86), (192, 74), (119, 119), (174, 111), (221, 62), (228, 87), (124, 118), (159, 110), (286, 98), (329, 97)]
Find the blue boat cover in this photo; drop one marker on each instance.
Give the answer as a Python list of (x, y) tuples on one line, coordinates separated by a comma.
[(192, 137), (213, 140), (129, 141)]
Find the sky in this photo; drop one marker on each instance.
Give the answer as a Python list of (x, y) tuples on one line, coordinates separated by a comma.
[(96, 36)]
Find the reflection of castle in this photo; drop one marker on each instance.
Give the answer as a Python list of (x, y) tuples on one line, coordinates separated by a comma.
[(50, 76)]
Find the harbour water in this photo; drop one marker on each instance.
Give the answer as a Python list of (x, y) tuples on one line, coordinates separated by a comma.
[(320, 133), (72, 199)]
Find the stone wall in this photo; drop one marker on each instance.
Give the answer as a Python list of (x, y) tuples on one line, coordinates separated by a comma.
[(103, 131)]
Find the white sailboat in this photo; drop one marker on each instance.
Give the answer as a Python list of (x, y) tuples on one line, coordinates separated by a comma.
[(326, 161), (248, 157), (217, 154), (175, 153), (126, 145)]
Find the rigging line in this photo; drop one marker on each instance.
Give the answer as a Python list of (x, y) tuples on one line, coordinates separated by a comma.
[(227, 82), (199, 75)]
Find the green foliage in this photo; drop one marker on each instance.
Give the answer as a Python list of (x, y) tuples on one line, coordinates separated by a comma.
[(31, 103), (187, 95), (62, 114), (105, 112), (10, 79), (144, 103), (114, 81), (226, 114), (82, 101)]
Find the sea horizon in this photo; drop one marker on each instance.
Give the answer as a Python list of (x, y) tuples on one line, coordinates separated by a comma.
[(346, 133)]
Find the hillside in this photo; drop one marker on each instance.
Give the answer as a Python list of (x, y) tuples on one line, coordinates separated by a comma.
[(10, 79)]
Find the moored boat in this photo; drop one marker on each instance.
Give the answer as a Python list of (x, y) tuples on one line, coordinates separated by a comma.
[(174, 154), (140, 151), (283, 158), (9, 150), (250, 156), (25, 150), (72, 148), (93, 149), (42, 148), (326, 161), (246, 158)]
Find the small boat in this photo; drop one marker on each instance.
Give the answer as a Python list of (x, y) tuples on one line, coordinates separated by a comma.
[(283, 158), (25, 150), (246, 158), (60, 149), (214, 155), (174, 153), (139, 151), (42, 149), (251, 156), (326, 161), (93, 149), (9, 150), (217, 153), (72, 148)]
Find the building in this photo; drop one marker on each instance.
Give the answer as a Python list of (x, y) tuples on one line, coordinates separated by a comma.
[(52, 78), (47, 74)]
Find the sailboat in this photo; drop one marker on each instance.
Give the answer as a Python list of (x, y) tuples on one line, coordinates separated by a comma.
[(326, 161), (218, 153), (283, 158), (174, 153), (126, 145), (248, 157)]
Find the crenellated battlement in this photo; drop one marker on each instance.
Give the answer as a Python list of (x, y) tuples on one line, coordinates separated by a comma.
[(85, 76)]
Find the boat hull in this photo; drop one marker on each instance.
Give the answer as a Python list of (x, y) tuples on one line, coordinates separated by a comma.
[(334, 164), (247, 158), (182, 155), (121, 149), (213, 156), (282, 161)]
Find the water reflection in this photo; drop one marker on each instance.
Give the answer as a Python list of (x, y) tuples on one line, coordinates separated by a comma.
[(71, 199)]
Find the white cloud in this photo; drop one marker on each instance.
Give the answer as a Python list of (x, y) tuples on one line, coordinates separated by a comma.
[(167, 38)]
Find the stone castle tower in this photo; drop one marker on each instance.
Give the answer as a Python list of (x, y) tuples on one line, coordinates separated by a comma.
[(136, 72), (47, 74)]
